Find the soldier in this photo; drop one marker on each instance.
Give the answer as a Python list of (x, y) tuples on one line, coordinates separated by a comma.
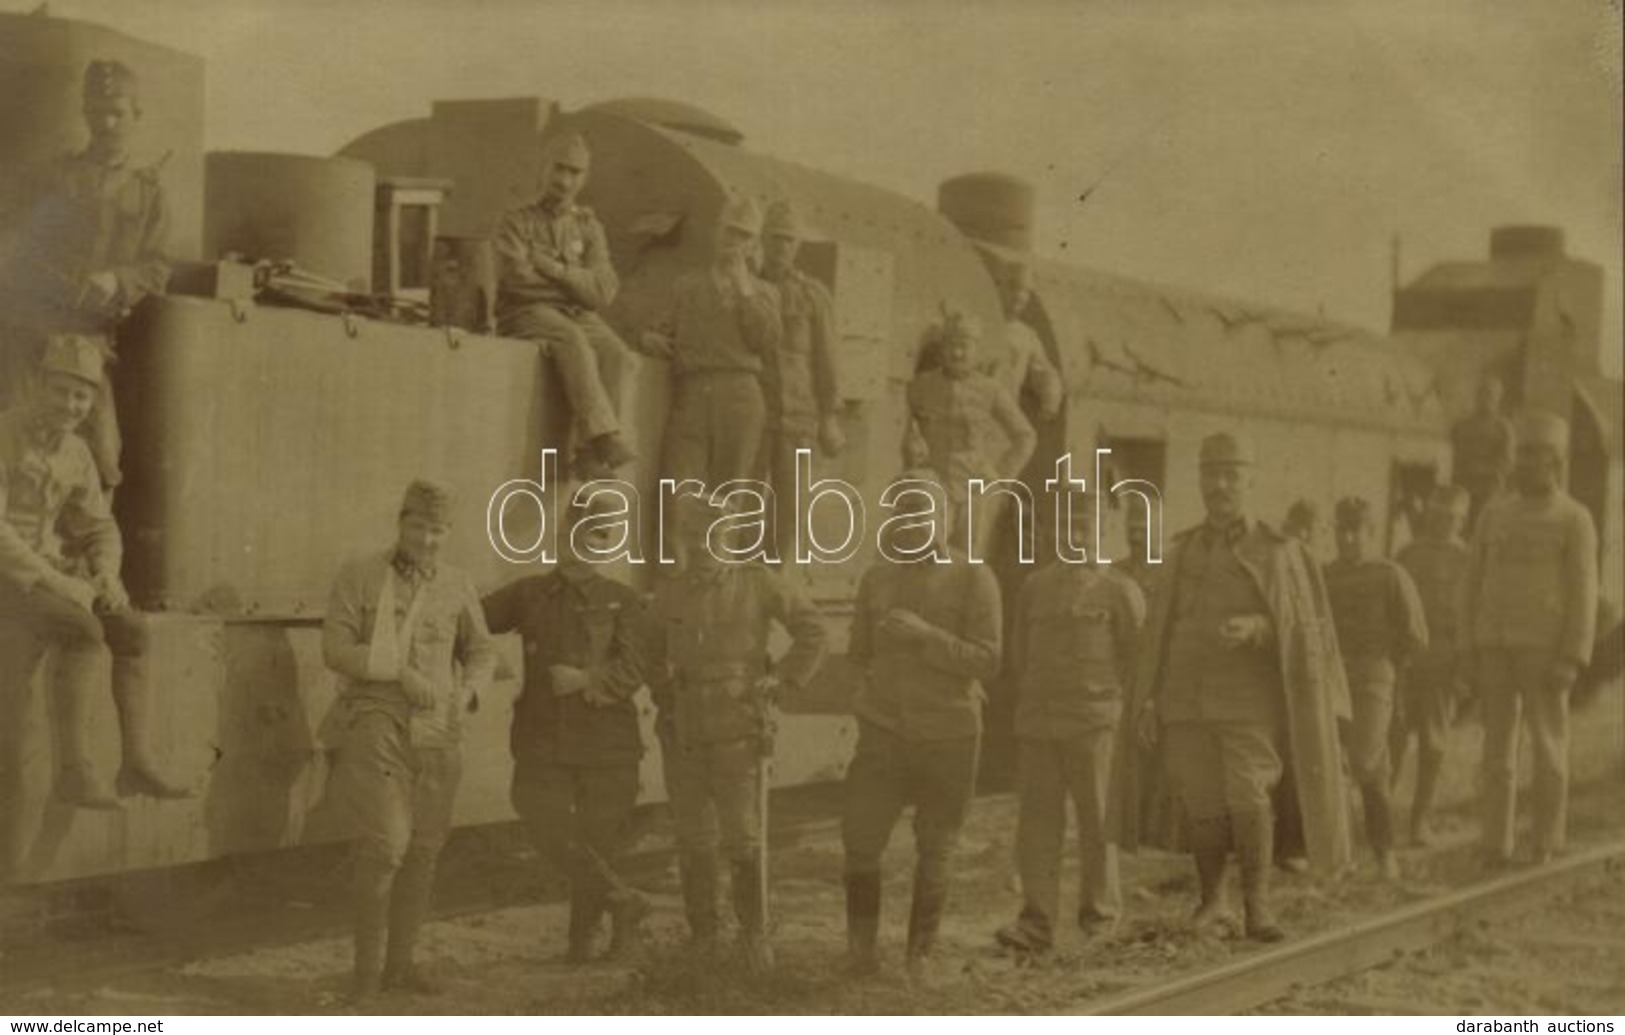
[(1528, 621), (1436, 561), (1137, 533), (1481, 449), (1021, 365), (1380, 625), (60, 590), (407, 638), (554, 278), (926, 636), (1302, 523), (84, 243), (1072, 653), (799, 378), (723, 322), (575, 737), (1239, 665), (714, 686), (953, 410)]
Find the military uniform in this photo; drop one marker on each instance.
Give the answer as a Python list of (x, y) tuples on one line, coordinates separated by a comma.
[(707, 659), (563, 311), (800, 386), (54, 520), (1072, 651), (1023, 366), (575, 778), (1380, 624), (398, 766), (68, 219), (1427, 686), (955, 422), (1530, 602), (919, 713)]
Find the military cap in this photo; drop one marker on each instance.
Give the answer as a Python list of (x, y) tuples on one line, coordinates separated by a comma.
[(1544, 429), (1451, 497), (106, 80), (958, 325), (428, 500), (77, 355), (781, 221), (1352, 510), (742, 214), (1301, 514), (569, 149), (1226, 448)]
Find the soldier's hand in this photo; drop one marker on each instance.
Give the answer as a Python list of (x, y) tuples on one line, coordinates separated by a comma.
[(905, 624), (567, 680), (657, 344), (1146, 725), (419, 691), (76, 591), (1562, 676), (103, 288), (598, 697), (1245, 631), (768, 689), (110, 594), (831, 437)]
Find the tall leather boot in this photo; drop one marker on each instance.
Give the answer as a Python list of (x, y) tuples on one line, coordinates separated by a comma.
[(751, 909), (132, 694), (1379, 827), (1428, 764), (699, 874), (924, 921), (371, 892), (73, 686), (1254, 836), (1210, 847), (586, 910), (862, 922), (408, 906)]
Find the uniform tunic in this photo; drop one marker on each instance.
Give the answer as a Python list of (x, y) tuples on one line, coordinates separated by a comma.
[(1437, 567), (1529, 601), (1021, 365), (1380, 623)]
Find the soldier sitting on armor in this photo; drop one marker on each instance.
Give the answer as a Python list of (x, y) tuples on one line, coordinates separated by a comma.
[(1436, 561), (59, 580), (554, 278), (1021, 364), (83, 243), (1072, 653), (1380, 625), (954, 411)]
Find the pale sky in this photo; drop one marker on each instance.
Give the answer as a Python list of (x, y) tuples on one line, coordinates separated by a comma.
[(1267, 149)]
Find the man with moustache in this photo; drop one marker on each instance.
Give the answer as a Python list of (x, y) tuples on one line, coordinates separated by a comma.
[(1529, 617), (1239, 664), (554, 279)]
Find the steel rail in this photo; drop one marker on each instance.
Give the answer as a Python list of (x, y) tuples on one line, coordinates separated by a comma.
[(1242, 984)]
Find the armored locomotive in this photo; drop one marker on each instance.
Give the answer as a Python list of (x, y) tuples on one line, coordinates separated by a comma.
[(267, 442)]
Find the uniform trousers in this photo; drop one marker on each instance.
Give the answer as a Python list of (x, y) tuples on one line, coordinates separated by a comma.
[(592, 361), (1424, 703), (1513, 684), (1367, 748), (1222, 769), (1048, 771), (890, 773), (579, 817), (713, 788)]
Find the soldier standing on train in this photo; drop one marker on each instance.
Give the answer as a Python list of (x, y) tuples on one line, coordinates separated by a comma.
[(1239, 664), (926, 637), (955, 413), (800, 379), (405, 633), (712, 680), (1528, 621), (723, 323), (83, 243), (1380, 625), (1436, 561), (59, 584), (1481, 449), (1072, 652), (1021, 364), (575, 738), (554, 279)]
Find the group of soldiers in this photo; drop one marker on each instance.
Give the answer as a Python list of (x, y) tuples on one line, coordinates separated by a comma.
[(1211, 703)]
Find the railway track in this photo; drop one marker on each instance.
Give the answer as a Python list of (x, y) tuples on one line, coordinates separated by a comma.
[(1313, 975)]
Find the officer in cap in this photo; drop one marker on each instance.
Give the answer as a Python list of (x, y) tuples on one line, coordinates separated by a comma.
[(405, 633), (958, 417), (1380, 626), (724, 325), (554, 279), (60, 591), (1528, 627), (800, 379), (84, 244), (1237, 625), (1436, 561)]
